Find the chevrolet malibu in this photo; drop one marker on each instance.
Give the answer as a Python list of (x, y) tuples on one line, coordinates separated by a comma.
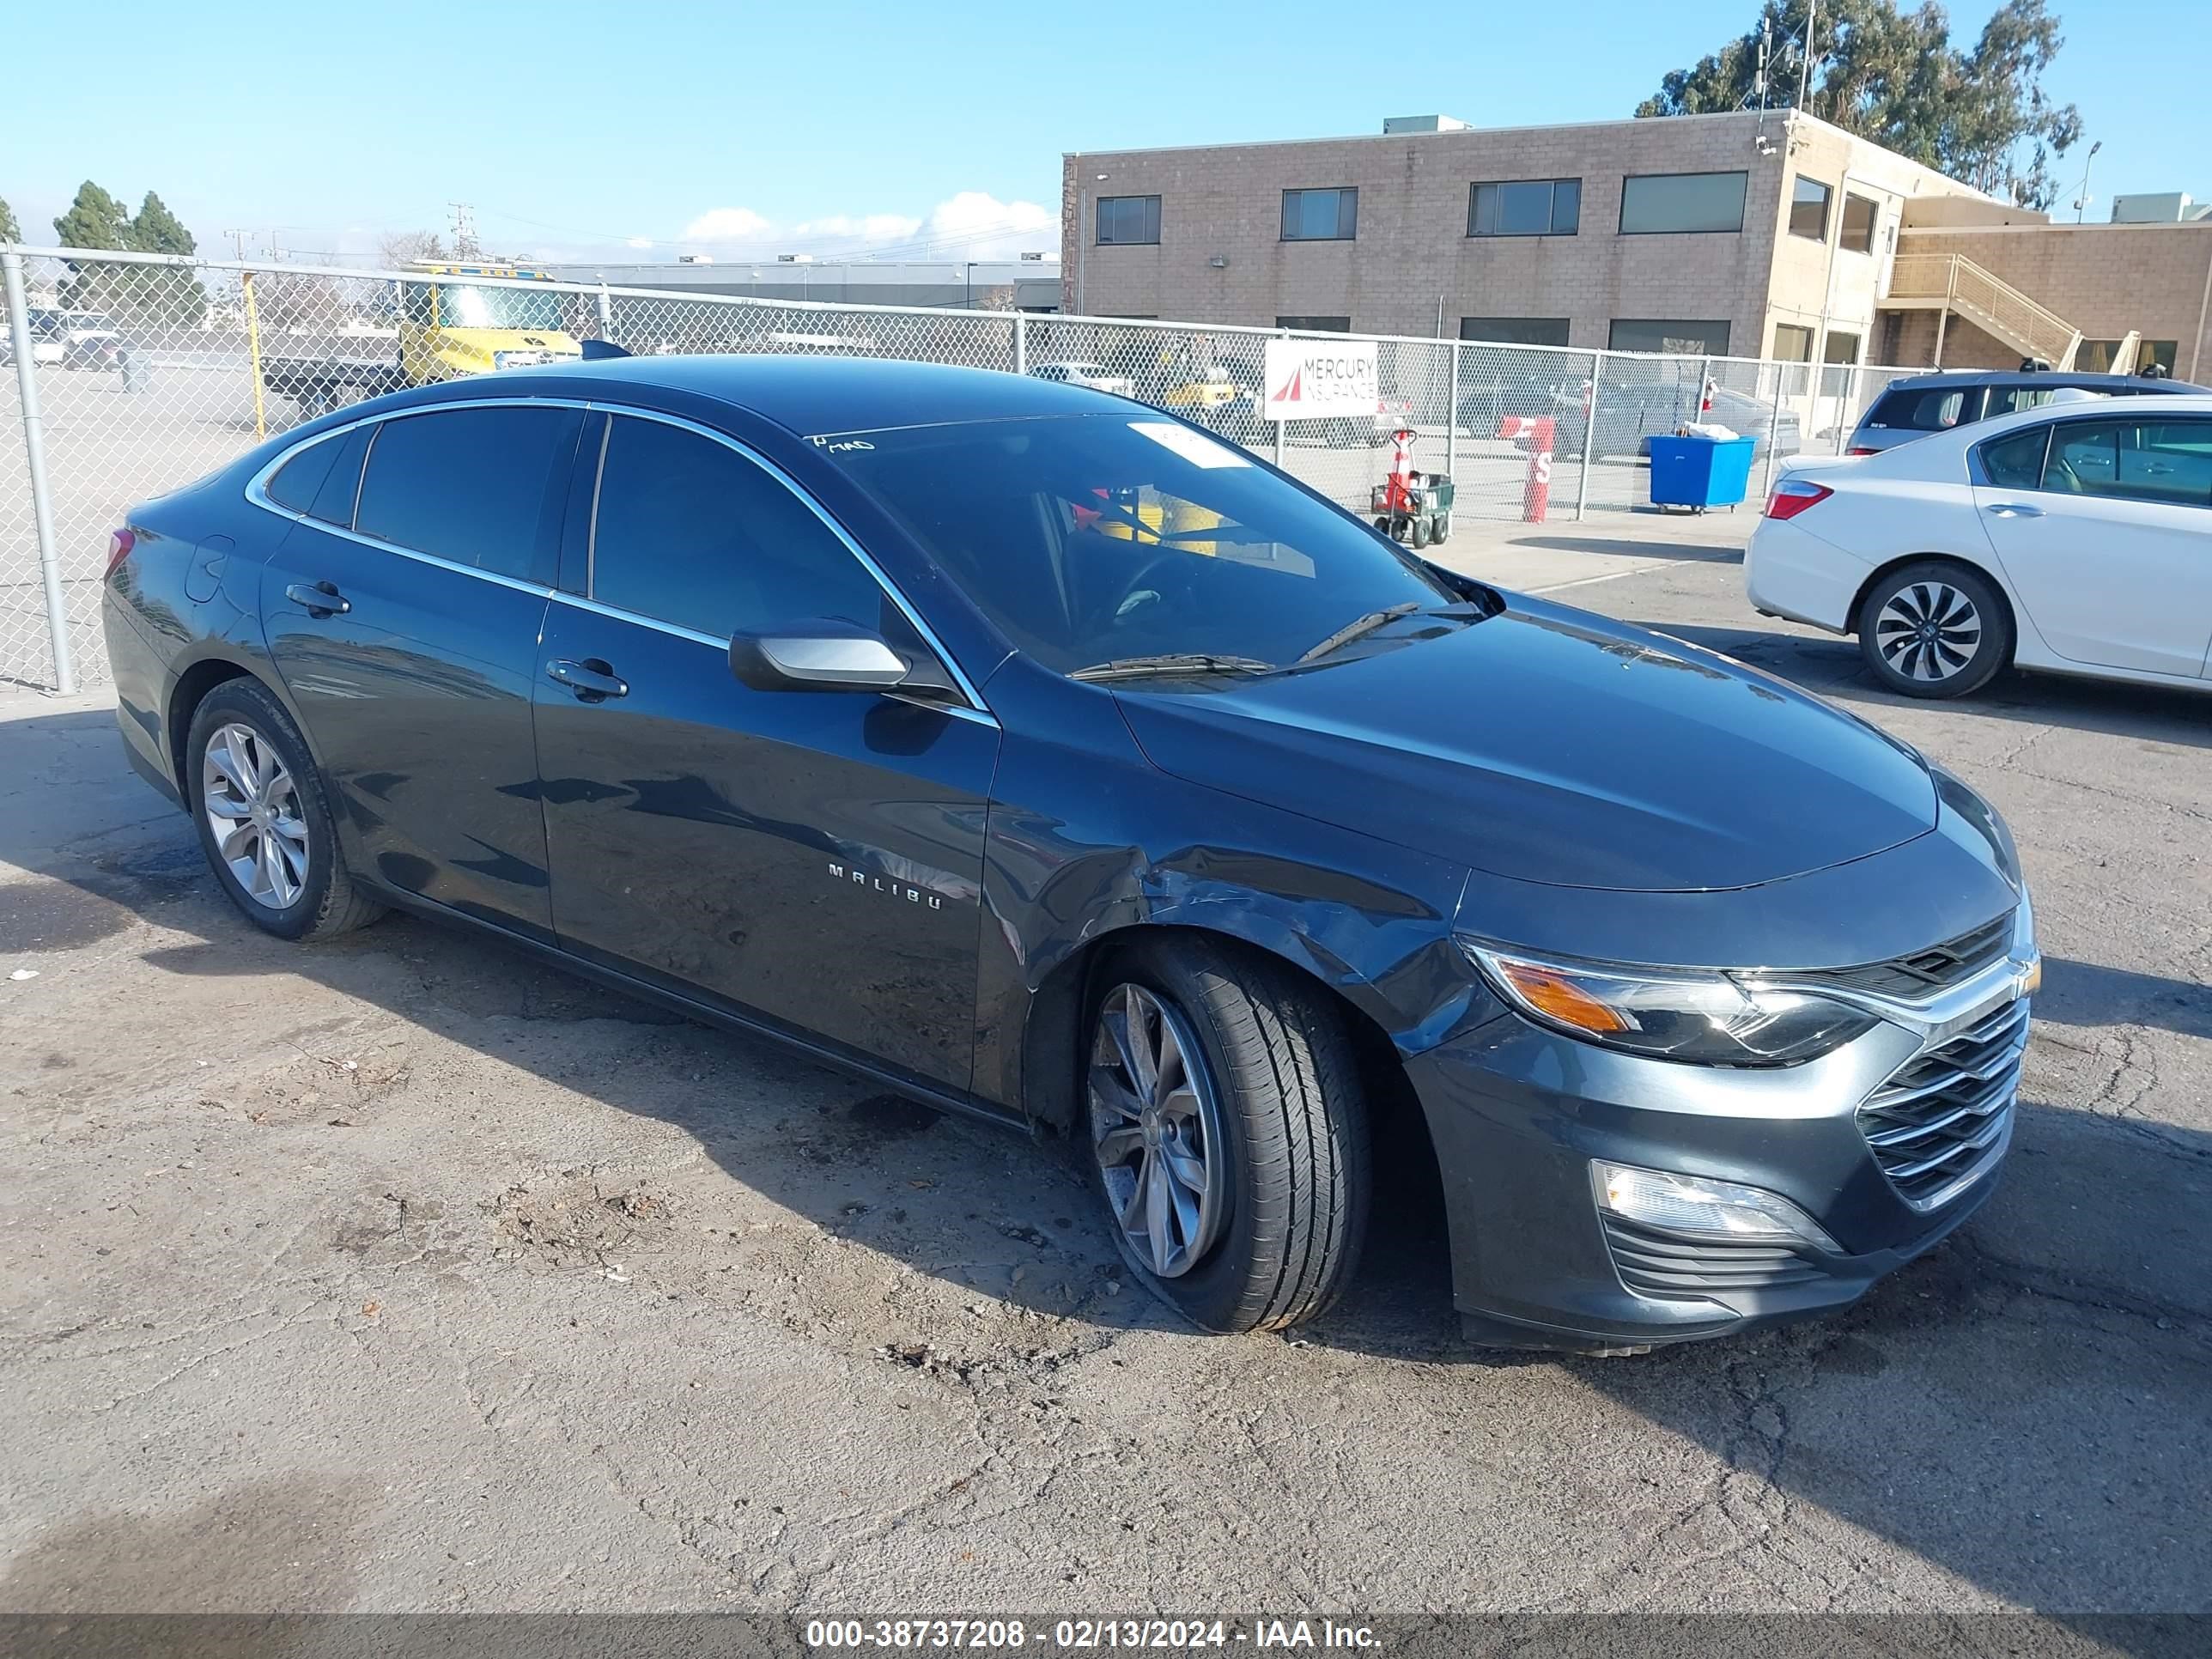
[(1048, 760)]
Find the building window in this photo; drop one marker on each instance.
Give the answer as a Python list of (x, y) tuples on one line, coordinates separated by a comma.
[(1669, 335), (1809, 208), (1656, 203), (1125, 220), (1321, 216), (1793, 343), (1316, 324), (1528, 207), (1515, 331), (2096, 356), (1842, 348), (1859, 216)]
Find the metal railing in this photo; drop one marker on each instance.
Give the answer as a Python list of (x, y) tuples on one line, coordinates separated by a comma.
[(134, 373), (1988, 301)]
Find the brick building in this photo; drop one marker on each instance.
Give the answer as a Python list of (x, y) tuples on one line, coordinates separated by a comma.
[(1752, 234)]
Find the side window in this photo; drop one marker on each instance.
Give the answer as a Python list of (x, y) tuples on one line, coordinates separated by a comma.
[(334, 501), (2016, 461), (688, 530), (2166, 461), (1936, 408), (2085, 458), (292, 486), (481, 487), (2011, 399)]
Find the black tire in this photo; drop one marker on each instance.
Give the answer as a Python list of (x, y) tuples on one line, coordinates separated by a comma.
[(1443, 531), (1935, 628), (1383, 524), (329, 901), (1294, 1148), (1422, 537)]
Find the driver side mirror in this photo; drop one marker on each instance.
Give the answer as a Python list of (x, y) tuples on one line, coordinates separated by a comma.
[(824, 653)]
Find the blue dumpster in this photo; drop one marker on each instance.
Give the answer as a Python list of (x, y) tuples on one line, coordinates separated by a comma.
[(1700, 472)]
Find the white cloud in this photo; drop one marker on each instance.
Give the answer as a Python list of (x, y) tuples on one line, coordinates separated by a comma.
[(727, 224), (639, 241), (976, 225), (864, 227)]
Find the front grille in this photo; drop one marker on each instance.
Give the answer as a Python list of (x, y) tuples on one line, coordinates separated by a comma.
[(1942, 1119), (1656, 1264), (1936, 968)]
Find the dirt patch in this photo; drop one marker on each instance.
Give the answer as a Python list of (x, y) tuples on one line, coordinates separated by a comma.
[(575, 1221)]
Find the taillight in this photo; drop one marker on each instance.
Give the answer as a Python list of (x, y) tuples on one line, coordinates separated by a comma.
[(119, 543), (1855, 449), (1793, 495)]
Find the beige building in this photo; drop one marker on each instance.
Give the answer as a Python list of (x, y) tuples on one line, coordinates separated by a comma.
[(1748, 234), (2131, 294)]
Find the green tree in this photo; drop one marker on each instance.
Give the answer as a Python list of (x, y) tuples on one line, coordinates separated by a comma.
[(94, 219), (10, 230), (144, 296), (157, 230), (1979, 115)]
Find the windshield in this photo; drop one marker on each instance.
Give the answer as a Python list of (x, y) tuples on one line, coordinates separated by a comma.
[(497, 307), (1093, 538)]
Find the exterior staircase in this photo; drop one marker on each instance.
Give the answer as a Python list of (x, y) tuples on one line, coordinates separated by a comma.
[(1951, 284)]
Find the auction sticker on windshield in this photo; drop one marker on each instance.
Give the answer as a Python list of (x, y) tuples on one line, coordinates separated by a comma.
[(1193, 447)]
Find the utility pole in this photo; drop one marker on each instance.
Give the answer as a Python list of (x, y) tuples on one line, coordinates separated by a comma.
[(1805, 61), (2081, 201), (464, 231), (238, 242)]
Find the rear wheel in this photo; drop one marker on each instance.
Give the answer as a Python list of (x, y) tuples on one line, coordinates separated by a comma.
[(264, 824), (1421, 533), (1934, 630), (1228, 1134)]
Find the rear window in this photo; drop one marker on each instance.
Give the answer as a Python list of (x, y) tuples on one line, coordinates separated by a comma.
[(481, 487), (1926, 409), (333, 502), (293, 484)]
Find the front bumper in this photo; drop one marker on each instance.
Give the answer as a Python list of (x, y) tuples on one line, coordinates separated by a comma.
[(1518, 1114)]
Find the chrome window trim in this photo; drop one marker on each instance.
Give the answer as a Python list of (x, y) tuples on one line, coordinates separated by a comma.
[(256, 493)]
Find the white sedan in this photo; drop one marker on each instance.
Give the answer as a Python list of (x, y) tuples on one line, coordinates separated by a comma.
[(2075, 538)]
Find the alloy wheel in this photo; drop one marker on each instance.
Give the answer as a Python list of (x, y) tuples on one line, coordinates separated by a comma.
[(1155, 1130), (253, 808), (1928, 631)]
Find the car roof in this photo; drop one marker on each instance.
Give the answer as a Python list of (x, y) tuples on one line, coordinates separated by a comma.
[(814, 396), (1909, 458), (2032, 377)]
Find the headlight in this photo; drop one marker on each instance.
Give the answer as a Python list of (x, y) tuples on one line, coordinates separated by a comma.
[(1713, 1209), (1707, 1018)]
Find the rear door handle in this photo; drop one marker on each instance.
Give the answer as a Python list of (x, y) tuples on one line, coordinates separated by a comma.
[(319, 598), (591, 680), (2013, 510)]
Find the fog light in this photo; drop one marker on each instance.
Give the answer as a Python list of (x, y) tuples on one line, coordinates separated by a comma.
[(1709, 1209)]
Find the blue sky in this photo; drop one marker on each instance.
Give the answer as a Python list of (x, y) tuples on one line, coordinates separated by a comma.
[(593, 128)]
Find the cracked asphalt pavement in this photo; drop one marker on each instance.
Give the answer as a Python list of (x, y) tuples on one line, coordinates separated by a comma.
[(405, 1275)]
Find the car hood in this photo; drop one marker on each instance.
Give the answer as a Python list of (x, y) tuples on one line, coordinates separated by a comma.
[(1550, 746)]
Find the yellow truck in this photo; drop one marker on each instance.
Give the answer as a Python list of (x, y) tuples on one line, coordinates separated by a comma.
[(451, 320)]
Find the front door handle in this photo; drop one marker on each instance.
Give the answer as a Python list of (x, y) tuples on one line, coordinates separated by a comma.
[(591, 680), (2013, 510), (319, 598)]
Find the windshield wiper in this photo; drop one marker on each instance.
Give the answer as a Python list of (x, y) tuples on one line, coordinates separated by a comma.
[(1363, 625), (1169, 663)]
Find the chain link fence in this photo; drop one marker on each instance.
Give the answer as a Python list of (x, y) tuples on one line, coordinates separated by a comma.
[(141, 375)]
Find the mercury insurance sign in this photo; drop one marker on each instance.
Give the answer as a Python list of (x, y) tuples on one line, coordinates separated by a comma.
[(1315, 379)]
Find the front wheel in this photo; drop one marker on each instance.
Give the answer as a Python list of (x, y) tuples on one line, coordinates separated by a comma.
[(1934, 630), (1228, 1134)]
